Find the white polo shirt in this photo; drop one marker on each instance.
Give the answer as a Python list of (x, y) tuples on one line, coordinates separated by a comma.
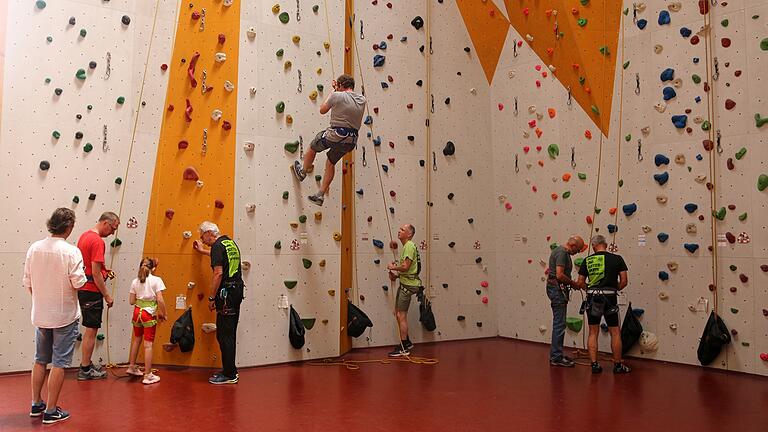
[(54, 271)]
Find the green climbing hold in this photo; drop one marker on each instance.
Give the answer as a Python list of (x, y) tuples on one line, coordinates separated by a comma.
[(719, 214), (581, 22), (285, 194), (308, 323), (291, 146), (566, 194), (56, 134), (315, 8), (47, 80), (100, 336), (595, 110), (83, 32), (598, 210), (764, 44), (582, 176), (320, 88), (80, 74), (88, 147), (626, 64), (280, 107), (75, 199), (284, 17), (759, 120), (120, 100), (724, 23), (696, 79), (118, 181), (733, 267), (743, 216), (553, 150), (116, 243), (625, 11), (574, 323), (621, 182), (278, 245), (584, 2), (734, 310), (553, 246), (318, 177), (740, 154), (303, 218), (628, 138), (578, 262), (307, 263), (40, 4), (582, 80), (290, 284), (280, 53), (762, 182), (49, 39), (604, 50), (706, 125), (754, 17)]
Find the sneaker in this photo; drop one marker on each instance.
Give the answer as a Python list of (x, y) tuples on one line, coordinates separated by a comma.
[(92, 374), (317, 199), (408, 345), (223, 379), (596, 368), (37, 409), (134, 371), (55, 417), (299, 171), (150, 378), (399, 352), (621, 368), (562, 362)]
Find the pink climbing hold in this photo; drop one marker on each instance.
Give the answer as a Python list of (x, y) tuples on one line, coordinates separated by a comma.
[(195, 15), (191, 69), (508, 206), (729, 104), (538, 68), (188, 111), (484, 300), (219, 204), (484, 284), (526, 11), (764, 357), (526, 149), (190, 173), (501, 107)]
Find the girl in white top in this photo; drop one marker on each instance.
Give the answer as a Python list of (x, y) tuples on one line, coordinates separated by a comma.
[(149, 307)]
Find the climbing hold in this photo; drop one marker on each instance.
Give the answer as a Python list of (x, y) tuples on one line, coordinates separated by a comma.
[(290, 284), (478, 260), (291, 147), (629, 209), (667, 74), (696, 79), (118, 181), (417, 22), (691, 247), (378, 244), (306, 263), (663, 275), (378, 60), (116, 243), (759, 120), (44, 165), (583, 21), (88, 147), (604, 50), (451, 244), (40, 4), (83, 32), (685, 32), (661, 178), (595, 110), (719, 214), (662, 236), (190, 173), (449, 149), (690, 207), (80, 74), (668, 93), (740, 154), (280, 107), (284, 17), (553, 150), (120, 100), (706, 125), (649, 342), (641, 23), (663, 295), (612, 228), (303, 219), (574, 323), (680, 121), (664, 18)]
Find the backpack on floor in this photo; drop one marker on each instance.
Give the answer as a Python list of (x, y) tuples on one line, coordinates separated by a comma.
[(715, 336), (296, 329), (183, 331), (426, 316), (631, 330), (357, 320)]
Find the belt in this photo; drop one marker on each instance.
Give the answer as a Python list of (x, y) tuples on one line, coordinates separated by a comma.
[(345, 131), (604, 292)]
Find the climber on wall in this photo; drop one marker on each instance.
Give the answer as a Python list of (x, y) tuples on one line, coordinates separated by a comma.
[(559, 283), (607, 275), (408, 272), (347, 108)]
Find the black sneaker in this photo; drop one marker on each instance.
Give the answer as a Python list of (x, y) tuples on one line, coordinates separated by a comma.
[(37, 409), (562, 362), (317, 199), (223, 379), (55, 417), (299, 171), (596, 368), (399, 352), (408, 345), (621, 368)]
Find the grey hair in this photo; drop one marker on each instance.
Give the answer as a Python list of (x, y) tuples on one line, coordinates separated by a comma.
[(209, 226), (598, 240), (412, 229)]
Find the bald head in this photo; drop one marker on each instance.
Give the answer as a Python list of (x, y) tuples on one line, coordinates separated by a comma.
[(575, 244)]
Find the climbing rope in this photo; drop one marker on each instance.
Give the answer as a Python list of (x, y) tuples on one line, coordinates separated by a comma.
[(619, 134)]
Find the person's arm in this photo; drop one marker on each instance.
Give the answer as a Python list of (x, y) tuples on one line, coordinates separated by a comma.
[(77, 271), (98, 279), (26, 279), (402, 267), (328, 104), (200, 249), (132, 298), (218, 274), (581, 283), (562, 277), (623, 280), (160, 306)]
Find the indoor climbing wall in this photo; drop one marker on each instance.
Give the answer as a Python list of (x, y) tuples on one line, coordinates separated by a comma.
[(398, 176), (67, 141), (646, 185)]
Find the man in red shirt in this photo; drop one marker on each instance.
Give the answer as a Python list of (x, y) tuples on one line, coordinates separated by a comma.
[(94, 293)]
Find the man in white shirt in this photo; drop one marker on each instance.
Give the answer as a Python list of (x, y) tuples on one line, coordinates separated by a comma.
[(53, 272)]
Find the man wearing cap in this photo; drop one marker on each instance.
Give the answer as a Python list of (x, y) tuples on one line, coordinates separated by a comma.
[(558, 286), (607, 274)]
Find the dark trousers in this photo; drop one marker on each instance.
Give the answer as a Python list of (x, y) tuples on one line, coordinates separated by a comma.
[(226, 334)]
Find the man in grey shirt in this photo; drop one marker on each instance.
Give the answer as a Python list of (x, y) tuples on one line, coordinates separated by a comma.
[(558, 281), (347, 108)]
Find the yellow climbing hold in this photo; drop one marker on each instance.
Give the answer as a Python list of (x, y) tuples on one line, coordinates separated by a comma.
[(318, 216), (296, 39), (327, 45), (294, 224), (319, 70), (313, 95), (337, 236), (331, 293), (276, 8)]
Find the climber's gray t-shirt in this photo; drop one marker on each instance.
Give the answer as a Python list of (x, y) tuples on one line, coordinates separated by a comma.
[(347, 109), (559, 257)]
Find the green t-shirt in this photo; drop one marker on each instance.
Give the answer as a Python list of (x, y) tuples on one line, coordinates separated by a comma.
[(410, 277)]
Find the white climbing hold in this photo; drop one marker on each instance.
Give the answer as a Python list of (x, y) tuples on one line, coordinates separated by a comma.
[(531, 109), (502, 198), (701, 178), (253, 91), (526, 134), (511, 74), (542, 329), (528, 165), (216, 115), (529, 38), (649, 341), (208, 327), (248, 146), (187, 234), (250, 208), (673, 326), (663, 295), (191, 285), (220, 57), (554, 179), (675, 6), (660, 107), (703, 31), (646, 229), (473, 91), (552, 68), (640, 7), (698, 119), (251, 32), (646, 130), (228, 86), (539, 116), (199, 183)]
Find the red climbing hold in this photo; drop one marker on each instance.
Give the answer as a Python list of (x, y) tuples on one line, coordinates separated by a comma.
[(526, 149), (764, 268), (526, 11), (226, 125), (508, 206), (588, 134), (553, 196), (392, 193), (191, 69), (163, 67), (169, 214), (222, 38), (729, 104), (170, 107), (219, 204), (183, 145), (534, 188), (589, 220), (391, 144), (195, 15), (612, 211), (492, 12), (375, 110), (391, 160), (538, 148), (733, 289), (730, 237), (731, 207), (190, 173), (575, 66), (695, 40), (484, 300), (550, 51), (566, 177), (188, 111), (484, 284), (501, 106), (390, 36), (409, 106), (729, 164), (743, 278), (389, 5), (703, 7), (725, 42), (538, 83), (737, 73)]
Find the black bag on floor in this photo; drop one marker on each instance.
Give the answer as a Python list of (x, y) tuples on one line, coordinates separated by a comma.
[(631, 330), (296, 329), (357, 320), (426, 317), (715, 335), (183, 331)]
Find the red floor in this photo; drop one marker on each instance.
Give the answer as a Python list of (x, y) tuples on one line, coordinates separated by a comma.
[(482, 385)]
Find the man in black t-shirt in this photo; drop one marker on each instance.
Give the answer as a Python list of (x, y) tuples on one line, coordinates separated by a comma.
[(226, 295), (607, 274)]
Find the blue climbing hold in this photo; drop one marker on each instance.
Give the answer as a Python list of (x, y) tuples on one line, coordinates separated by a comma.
[(384, 85), (685, 32), (612, 228), (360, 191), (638, 312), (663, 275), (697, 99), (641, 23), (662, 236), (378, 60), (667, 74), (382, 45), (378, 243), (664, 17), (691, 207), (660, 160), (384, 168), (377, 141), (699, 157), (661, 178), (691, 247), (680, 121), (629, 209), (668, 93), (368, 120)]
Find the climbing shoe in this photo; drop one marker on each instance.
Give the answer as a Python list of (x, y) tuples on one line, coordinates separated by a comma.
[(55, 417), (596, 368), (299, 171), (37, 409), (399, 352), (317, 199), (621, 368), (223, 379), (562, 362)]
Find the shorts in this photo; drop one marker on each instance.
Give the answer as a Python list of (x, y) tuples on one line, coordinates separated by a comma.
[(403, 298), (324, 140), (611, 301), (141, 316), (56, 345), (91, 307)]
